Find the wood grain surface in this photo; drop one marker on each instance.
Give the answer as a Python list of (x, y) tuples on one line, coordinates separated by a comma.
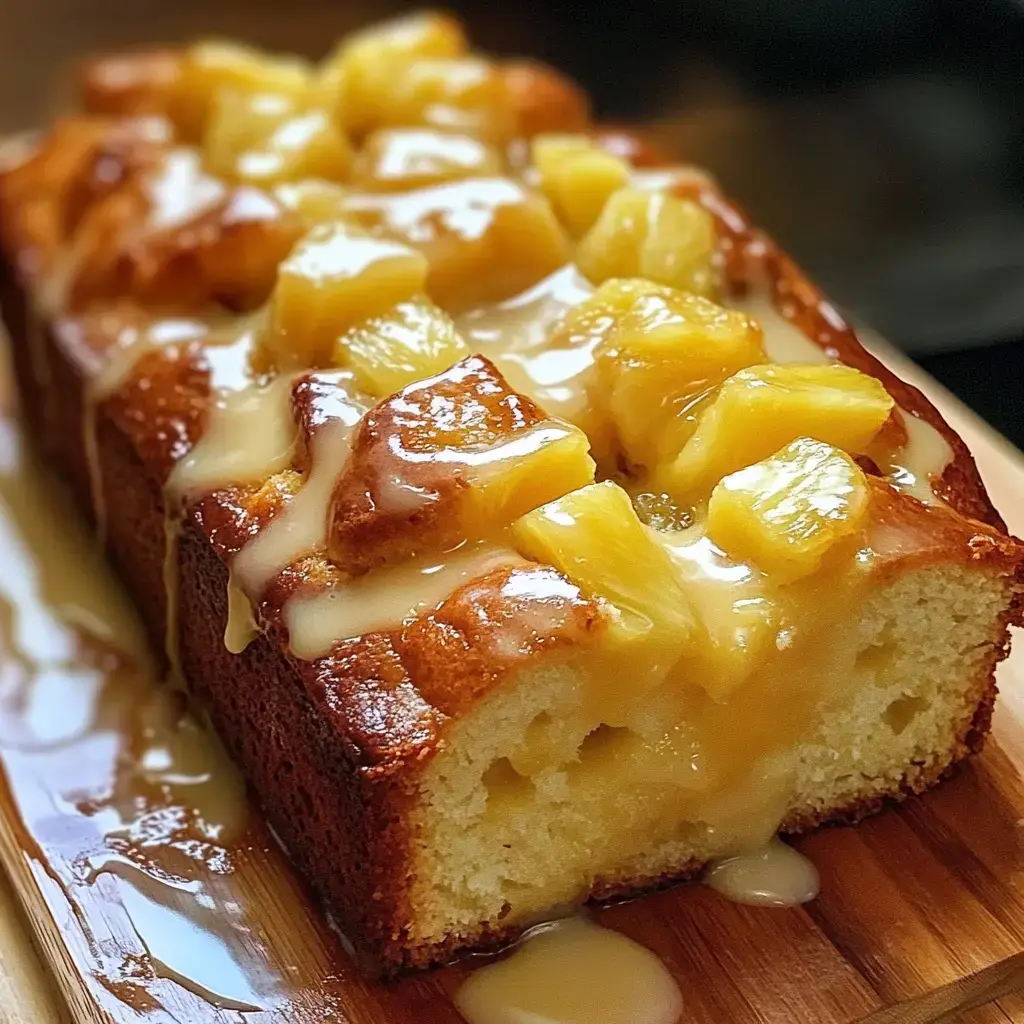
[(920, 919)]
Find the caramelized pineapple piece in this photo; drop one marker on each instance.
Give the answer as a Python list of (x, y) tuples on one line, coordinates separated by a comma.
[(594, 536), (265, 138), (787, 512), (578, 177), (400, 159), (649, 234), (760, 409), (315, 201), (452, 458), (211, 67), (332, 280), (661, 354), (410, 342), (485, 239), (352, 76)]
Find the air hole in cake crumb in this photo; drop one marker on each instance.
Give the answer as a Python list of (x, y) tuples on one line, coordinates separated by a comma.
[(876, 659), (604, 741), (505, 785), (536, 730), (902, 711)]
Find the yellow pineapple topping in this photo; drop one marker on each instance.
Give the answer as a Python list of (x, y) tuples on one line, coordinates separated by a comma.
[(410, 342), (661, 354), (315, 201), (594, 536), (456, 94), (350, 79), (787, 512), (333, 279), (399, 156), (266, 138), (485, 239), (762, 408), (578, 177), (212, 68), (648, 234)]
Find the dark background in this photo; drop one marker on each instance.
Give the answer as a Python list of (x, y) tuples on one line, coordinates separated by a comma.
[(881, 141)]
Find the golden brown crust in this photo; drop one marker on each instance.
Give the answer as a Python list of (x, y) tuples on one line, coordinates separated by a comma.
[(490, 627), (334, 746)]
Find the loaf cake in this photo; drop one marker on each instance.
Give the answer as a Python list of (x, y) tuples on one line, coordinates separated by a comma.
[(532, 530)]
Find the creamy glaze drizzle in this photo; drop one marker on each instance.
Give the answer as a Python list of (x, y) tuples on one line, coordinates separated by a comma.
[(783, 340), (922, 460), (250, 435), (384, 599), (515, 335), (301, 528)]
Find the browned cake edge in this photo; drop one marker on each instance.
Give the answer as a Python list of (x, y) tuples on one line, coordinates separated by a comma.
[(300, 729)]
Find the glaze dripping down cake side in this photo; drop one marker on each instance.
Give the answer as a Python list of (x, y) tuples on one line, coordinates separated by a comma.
[(530, 526)]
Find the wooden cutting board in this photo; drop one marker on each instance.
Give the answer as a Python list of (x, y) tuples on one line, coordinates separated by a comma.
[(133, 917)]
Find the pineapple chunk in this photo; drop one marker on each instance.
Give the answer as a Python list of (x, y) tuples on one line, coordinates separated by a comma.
[(314, 200), (529, 469), (760, 409), (486, 239), (401, 159), (264, 138), (412, 341), (452, 458), (594, 536), (649, 234), (350, 78), (787, 512), (661, 354), (578, 177), (332, 280), (455, 94), (210, 67)]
